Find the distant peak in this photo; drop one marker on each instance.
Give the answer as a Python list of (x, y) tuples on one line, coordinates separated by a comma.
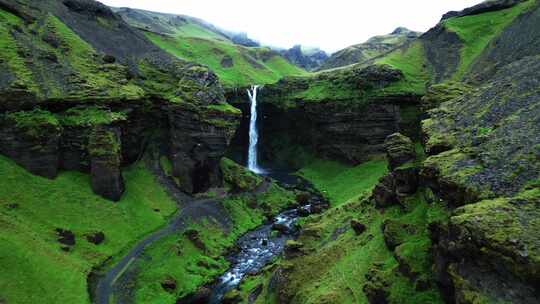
[(400, 30)]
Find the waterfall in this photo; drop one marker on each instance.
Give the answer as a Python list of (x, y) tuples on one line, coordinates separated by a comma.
[(253, 164)]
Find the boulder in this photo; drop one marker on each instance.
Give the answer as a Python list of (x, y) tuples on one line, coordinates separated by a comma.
[(168, 284), (201, 296), (194, 236), (293, 249), (399, 150), (95, 238), (65, 237), (358, 227), (232, 297)]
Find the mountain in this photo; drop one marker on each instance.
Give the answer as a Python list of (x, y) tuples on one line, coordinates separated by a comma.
[(237, 60), (308, 58), (374, 47)]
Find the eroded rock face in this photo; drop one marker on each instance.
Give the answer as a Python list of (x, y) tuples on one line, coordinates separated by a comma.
[(106, 160), (399, 150), (31, 139)]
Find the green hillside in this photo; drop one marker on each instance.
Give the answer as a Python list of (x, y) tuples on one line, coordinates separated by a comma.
[(194, 40)]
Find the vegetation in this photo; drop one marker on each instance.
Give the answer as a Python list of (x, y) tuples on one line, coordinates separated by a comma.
[(477, 31), (341, 183), (32, 208), (192, 264), (90, 116), (235, 65), (410, 60)]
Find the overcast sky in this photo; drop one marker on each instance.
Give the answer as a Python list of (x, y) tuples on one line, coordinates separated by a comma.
[(330, 25)]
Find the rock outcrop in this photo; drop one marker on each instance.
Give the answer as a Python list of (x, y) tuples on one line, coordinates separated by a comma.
[(309, 59)]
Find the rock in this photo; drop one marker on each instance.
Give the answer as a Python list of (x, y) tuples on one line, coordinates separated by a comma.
[(399, 150), (281, 227), (358, 227), (303, 198), (194, 237), (255, 293), (406, 179), (232, 297), (239, 177), (384, 192), (109, 59), (395, 232), (169, 284), (65, 237), (201, 296), (293, 249), (106, 159), (307, 59), (483, 7), (95, 238), (31, 139), (227, 62)]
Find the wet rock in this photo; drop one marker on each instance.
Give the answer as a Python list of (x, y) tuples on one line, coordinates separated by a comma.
[(232, 297), (65, 237), (168, 284), (106, 160), (358, 227), (96, 238), (399, 150), (281, 227), (293, 249), (194, 236)]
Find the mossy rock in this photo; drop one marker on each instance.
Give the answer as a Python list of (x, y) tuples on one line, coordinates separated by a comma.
[(238, 177)]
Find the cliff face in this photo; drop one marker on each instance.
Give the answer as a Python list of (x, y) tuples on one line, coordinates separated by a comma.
[(310, 59), (82, 90)]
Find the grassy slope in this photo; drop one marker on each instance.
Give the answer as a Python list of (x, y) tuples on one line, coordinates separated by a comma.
[(335, 267), (341, 183), (175, 256), (207, 49), (478, 31), (34, 268)]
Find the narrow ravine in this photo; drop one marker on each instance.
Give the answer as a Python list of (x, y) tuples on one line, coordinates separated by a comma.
[(256, 249)]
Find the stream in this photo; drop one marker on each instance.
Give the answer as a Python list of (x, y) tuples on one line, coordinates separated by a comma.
[(255, 250)]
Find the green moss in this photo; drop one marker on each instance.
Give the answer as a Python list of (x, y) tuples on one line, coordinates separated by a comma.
[(247, 69), (90, 116), (35, 123), (9, 56), (336, 180), (477, 31), (33, 265), (411, 61), (238, 177), (224, 107)]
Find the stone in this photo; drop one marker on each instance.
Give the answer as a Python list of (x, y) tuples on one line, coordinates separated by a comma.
[(384, 192), (303, 198), (109, 59), (281, 227), (293, 249), (358, 227), (168, 284), (106, 159), (96, 238), (232, 297), (201, 296), (255, 293), (194, 236), (65, 237), (399, 150)]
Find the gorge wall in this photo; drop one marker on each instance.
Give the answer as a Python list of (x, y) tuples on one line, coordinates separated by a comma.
[(82, 90)]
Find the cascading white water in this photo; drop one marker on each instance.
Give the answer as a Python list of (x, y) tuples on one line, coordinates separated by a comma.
[(253, 164)]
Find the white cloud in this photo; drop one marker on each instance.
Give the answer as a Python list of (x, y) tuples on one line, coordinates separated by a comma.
[(331, 25)]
